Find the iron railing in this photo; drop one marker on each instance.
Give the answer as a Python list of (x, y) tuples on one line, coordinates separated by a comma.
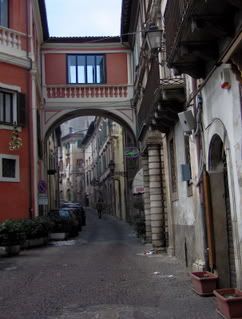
[(175, 14), (146, 107)]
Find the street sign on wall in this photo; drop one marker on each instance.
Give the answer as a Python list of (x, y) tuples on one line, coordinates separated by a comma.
[(131, 152), (43, 199), (42, 186)]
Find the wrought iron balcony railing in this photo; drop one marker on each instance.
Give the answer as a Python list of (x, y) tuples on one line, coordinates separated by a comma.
[(200, 33), (167, 92), (175, 15)]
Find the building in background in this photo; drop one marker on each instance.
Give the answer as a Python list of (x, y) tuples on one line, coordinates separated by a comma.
[(71, 159), (104, 166)]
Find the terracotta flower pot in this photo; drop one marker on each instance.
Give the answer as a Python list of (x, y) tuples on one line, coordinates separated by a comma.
[(229, 303), (204, 282)]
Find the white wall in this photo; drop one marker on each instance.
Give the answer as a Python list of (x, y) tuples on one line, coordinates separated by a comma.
[(222, 116)]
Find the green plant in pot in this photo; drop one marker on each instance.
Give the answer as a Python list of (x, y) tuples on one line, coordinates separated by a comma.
[(35, 228), (11, 236)]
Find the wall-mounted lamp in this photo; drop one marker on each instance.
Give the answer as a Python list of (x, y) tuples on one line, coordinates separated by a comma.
[(154, 37)]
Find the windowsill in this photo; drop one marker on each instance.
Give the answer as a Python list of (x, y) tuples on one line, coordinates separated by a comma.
[(10, 127), (9, 180), (87, 84)]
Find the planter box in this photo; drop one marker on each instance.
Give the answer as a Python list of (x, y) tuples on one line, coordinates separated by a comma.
[(229, 303), (204, 282), (36, 242), (58, 236), (10, 250)]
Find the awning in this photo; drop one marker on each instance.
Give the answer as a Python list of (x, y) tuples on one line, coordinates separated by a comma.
[(138, 183)]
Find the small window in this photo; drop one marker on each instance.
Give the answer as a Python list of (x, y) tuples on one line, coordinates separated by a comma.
[(9, 168), (85, 69), (188, 161), (4, 13), (12, 107), (173, 169)]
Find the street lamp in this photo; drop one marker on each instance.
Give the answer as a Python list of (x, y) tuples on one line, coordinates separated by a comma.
[(154, 37)]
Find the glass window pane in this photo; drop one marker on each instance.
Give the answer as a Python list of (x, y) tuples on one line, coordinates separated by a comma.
[(90, 69), (4, 13), (81, 69), (8, 167), (99, 69), (72, 69), (1, 107), (8, 109)]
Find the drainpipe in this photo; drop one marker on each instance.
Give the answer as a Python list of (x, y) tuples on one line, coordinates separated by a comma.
[(32, 125), (29, 88), (197, 108)]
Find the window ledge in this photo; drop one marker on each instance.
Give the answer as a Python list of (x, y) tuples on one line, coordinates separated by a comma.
[(9, 127)]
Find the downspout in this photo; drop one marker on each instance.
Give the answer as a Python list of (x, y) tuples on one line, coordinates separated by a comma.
[(33, 207), (197, 108), (29, 88)]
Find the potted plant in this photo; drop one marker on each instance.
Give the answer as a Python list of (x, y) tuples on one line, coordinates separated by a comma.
[(36, 231), (11, 237), (229, 303), (204, 282)]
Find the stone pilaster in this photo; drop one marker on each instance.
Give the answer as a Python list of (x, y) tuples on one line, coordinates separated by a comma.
[(156, 200), (146, 198)]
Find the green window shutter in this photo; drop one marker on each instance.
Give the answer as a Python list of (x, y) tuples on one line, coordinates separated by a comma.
[(21, 109)]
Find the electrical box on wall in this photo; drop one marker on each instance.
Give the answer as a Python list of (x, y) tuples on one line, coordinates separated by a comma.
[(187, 121), (186, 172)]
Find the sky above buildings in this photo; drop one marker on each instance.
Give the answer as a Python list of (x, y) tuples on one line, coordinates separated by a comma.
[(84, 17)]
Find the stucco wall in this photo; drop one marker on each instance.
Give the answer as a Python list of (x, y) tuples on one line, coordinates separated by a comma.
[(56, 68), (186, 212), (16, 206), (222, 116)]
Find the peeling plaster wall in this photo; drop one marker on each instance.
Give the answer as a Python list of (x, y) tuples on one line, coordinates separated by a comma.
[(185, 209), (222, 116)]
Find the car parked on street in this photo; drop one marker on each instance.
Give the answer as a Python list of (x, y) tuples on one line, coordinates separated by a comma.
[(79, 210), (64, 220)]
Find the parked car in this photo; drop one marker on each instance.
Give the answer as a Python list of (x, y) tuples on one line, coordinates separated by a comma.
[(76, 214), (64, 220), (79, 210)]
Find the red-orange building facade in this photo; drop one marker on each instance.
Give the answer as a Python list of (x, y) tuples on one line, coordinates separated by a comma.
[(20, 37), (31, 64)]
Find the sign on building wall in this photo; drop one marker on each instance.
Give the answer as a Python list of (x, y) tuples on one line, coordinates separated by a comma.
[(43, 199), (131, 152)]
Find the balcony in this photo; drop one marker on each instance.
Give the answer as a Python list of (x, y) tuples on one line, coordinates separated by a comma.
[(200, 33), (96, 93), (163, 100), (12, 46)]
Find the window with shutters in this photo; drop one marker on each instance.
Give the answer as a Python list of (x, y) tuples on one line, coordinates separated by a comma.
[(12, 107), (9, 168), (4, 13), (188, 161), (173, 169)]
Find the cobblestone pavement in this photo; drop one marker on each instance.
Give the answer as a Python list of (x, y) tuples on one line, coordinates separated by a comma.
[(102, 274)]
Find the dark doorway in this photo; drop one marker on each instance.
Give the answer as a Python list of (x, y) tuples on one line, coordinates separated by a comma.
[(221, 210)]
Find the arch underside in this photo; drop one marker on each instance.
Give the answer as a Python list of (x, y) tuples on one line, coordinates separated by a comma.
[(53, 117)]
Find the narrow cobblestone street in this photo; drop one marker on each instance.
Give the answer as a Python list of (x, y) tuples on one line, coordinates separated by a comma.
[(101, 274)]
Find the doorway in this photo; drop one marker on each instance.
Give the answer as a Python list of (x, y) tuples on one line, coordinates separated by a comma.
[(221, 211)]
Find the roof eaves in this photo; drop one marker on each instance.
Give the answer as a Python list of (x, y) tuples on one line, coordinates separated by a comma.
[(44, 20), (94, 39)]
